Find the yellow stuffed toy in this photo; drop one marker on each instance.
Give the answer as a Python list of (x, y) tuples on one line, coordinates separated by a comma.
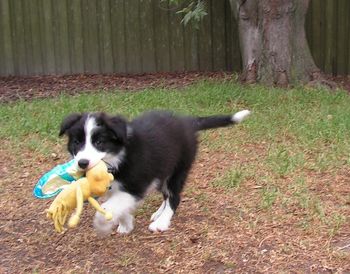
[(96, 183)]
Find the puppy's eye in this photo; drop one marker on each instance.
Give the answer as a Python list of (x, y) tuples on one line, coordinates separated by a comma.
[(76, 142), (98, 142)]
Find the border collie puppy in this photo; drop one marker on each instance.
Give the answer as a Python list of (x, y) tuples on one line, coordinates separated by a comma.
[(153, 151)]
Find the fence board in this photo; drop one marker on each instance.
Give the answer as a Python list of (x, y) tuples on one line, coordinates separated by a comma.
[(61, 44), (118, 35), (330, 36), (37, 62), (5, 34), (47, 35), (161, 29), (2, 54), (90, 36), (308, 25), (132, 36), (233, 59), (342, 26), (28, 36), (105, 41), (135, 36), (147, 36), (177, 56), (191, 47), (205, 42), (316, 33), (348, 70), (75, 28), (228, 36), (218, 31), (19, 46)]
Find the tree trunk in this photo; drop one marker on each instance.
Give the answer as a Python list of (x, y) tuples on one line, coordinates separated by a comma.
[(273, 41)]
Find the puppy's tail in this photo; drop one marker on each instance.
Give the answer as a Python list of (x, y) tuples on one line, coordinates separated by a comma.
[(202, 123)]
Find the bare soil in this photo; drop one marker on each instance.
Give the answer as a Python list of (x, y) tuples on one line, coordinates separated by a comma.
[(215, 230), (26, 88)]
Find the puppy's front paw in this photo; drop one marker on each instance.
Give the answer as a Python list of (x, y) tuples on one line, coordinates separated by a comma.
[(124, 229), (102, 226), (126, 224)]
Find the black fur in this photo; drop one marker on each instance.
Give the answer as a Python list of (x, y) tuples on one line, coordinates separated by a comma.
[(159, 145), (73, 126)]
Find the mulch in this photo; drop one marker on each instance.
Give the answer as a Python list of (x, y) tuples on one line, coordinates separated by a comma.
[(215, 230), (31, 87)]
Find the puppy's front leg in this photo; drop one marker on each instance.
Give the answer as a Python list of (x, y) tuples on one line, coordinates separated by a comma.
[(121, 204)]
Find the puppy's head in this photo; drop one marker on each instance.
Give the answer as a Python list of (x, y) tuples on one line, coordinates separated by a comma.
[(94, 136)]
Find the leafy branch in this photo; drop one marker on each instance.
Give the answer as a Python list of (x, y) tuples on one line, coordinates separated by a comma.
[(193, 12)]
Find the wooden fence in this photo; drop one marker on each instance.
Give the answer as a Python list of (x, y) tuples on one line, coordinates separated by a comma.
[(328, 31), (137, 36)]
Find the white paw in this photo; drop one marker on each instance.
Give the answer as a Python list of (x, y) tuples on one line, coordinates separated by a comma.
[(159, 212), (126, 224), (124, 229), (102, 226), (159, 226)]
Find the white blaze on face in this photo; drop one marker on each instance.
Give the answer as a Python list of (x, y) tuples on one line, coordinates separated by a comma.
[(89, 152)]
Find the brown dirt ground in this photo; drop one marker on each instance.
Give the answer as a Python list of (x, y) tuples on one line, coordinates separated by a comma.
[(26, 88), (214, 231)]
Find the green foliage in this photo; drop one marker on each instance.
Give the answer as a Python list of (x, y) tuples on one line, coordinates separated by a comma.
[(193, 12)]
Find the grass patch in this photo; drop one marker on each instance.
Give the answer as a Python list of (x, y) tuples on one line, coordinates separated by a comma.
[(283, 160), (269, 195), (306, 116), (231, 179)]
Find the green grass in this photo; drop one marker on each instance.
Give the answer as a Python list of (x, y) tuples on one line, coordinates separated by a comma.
[(269, 195), (231, 179), (297, 124), (308, 116)]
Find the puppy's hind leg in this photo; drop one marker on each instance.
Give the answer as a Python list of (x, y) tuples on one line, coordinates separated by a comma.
[(159, 211), (162, 217)]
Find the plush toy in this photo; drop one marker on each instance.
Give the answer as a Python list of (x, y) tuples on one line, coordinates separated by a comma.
[(96, 183)]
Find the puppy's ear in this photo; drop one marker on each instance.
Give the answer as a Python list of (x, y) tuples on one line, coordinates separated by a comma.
[(117, 125), (68, 122)]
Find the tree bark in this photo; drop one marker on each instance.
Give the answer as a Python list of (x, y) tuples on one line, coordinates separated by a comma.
[(273, 41)]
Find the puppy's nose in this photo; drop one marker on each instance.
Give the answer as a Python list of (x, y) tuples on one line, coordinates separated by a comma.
[(83, 163)]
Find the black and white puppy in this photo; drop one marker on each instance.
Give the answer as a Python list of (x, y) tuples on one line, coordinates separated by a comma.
[(153, 151)]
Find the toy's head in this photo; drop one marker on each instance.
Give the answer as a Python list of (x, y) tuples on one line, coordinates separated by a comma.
[(99, 179)]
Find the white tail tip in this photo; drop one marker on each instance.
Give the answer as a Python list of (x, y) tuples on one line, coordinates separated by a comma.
[(240, 116)]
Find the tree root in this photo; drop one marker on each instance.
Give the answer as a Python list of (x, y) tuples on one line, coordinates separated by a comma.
[(249, 75), (317, 79), (320, 80)]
